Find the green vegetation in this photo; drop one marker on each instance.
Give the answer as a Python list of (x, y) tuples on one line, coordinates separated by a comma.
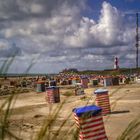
[(111, 71)]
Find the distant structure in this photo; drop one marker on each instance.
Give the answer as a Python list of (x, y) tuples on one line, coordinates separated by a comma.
[(137, 39), (116, 63), (69, 70)]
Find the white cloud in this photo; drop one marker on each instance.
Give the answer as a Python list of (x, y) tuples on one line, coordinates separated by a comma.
[(66, 37), (36, 8), (4, 44), (109, 31)]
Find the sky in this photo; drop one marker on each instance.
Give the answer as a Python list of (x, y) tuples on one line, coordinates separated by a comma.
[(47, 36)]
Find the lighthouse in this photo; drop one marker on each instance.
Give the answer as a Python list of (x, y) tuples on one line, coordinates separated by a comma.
[(116, 63)]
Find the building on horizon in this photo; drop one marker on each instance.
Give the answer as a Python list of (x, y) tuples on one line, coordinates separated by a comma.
[(116, 63)]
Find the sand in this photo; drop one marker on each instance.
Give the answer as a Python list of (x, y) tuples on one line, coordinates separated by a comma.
[(30, 110)]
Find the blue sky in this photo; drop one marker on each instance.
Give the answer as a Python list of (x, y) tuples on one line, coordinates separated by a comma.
[(124, 5), (53, 35), (127, 6)]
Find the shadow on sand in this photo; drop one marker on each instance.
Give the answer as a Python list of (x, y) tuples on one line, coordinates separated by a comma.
[(119, 112)]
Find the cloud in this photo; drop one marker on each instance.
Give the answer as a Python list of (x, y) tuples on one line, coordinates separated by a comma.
[(60, 36), (108, 31), (8, 50)]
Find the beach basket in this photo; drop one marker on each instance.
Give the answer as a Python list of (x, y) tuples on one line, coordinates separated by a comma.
[(90, 123), (102, 100)]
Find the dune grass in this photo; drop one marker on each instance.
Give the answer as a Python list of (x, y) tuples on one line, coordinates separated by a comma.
[(131, 132), (5, 112)]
